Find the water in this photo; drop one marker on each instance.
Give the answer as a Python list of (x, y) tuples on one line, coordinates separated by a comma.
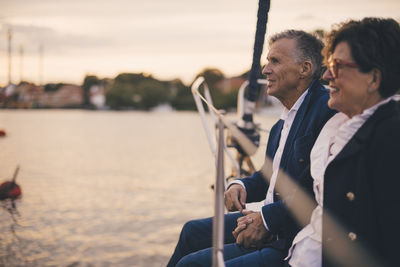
[(103, 188)]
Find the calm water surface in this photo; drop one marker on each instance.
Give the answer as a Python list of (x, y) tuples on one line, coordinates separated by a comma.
[(103, 188)]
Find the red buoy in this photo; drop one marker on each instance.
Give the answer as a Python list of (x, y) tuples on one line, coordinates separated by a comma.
[(10, 189)]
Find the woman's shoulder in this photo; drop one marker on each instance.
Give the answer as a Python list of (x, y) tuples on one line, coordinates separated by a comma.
[(387, 124)]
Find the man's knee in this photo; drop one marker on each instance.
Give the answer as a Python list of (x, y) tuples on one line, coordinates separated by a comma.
[(188, 229), (188, 261)]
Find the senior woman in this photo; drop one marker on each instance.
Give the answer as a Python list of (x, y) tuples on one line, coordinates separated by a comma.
[(355, 162)]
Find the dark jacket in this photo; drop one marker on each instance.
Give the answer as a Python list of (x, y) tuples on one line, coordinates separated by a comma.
[(361, 193), (310, 118)]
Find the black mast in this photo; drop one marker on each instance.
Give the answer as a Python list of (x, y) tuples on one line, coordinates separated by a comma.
[(246, 124)]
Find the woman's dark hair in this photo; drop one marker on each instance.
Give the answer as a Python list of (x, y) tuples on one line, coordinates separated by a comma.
[(374, 44)]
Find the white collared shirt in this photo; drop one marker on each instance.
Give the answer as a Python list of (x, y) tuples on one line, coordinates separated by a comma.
[(306, 250), (288, 117)]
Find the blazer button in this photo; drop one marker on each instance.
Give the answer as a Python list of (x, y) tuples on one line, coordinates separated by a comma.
[(350, 196), (352, 236), (301, 160)]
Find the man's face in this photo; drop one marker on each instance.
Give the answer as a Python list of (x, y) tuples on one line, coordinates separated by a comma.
[(283, 73)]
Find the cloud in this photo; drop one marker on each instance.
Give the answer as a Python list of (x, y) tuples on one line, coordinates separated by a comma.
[(31, 37), (305, 17)]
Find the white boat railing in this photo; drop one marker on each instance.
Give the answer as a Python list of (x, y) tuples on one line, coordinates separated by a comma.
[(210, 137)]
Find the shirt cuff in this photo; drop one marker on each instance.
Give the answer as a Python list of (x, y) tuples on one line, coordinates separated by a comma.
[(265, 223), (237, 182)]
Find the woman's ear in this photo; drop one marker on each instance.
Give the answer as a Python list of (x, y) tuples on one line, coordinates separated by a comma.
[(376, 78)]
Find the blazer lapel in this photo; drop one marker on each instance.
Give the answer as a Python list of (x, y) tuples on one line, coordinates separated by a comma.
[(295, 127), (363, 134), (274, 137), (351, 148)]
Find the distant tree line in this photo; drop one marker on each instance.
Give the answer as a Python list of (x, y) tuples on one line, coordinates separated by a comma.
[(141, 91)]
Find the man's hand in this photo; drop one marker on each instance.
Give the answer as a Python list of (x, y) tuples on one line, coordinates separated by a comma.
[(235, 198), (242, 222), (254, 235)]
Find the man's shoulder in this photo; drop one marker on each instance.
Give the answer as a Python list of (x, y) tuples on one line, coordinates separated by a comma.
[(319, 91), (317, 109), (319, 96)]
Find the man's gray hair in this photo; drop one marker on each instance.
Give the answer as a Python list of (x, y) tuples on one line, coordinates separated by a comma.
[(308, 48)]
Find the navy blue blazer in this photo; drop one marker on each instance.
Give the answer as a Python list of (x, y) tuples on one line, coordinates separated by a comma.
[(310, 118), (361, 192)]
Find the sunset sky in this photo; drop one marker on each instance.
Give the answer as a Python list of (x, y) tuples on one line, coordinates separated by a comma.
[(166, 38)]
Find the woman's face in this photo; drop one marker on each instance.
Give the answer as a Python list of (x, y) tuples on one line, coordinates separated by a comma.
[(350, 89)]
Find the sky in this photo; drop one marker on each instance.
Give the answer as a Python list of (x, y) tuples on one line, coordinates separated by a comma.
[(168, 39)]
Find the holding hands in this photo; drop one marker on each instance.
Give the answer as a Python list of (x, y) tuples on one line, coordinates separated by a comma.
[(250, 231)]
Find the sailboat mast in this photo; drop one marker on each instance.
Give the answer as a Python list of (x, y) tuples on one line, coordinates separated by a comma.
[(9, 55), (21, 62), (41, 64)]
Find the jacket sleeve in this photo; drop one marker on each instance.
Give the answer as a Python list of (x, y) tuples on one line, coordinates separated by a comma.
[(385, 186), (256, 187)]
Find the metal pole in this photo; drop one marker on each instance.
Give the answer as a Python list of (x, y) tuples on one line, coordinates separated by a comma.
[(218, 220), (9, 55), (21, 63), (41, 64)]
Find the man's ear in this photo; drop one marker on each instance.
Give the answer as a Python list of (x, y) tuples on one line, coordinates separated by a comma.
[(305, 69)]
